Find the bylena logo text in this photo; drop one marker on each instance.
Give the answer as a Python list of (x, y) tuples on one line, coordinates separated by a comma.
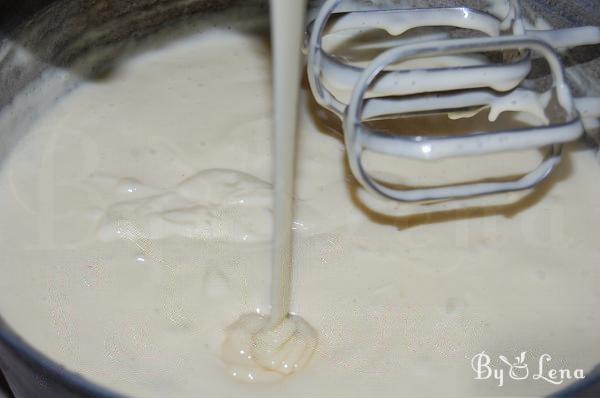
[(541, 369)]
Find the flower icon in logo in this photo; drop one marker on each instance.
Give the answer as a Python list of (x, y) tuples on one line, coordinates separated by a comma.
[(518, 369)]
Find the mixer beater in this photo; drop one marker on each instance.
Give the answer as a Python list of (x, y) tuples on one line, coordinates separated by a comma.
[(453, 61)]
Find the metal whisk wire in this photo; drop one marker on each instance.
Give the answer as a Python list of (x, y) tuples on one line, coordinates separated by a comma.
[(379, 91)]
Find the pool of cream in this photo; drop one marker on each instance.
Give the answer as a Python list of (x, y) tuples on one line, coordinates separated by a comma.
[(137, 217)]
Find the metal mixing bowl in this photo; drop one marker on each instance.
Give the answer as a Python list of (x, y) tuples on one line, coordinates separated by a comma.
[(64, 33)]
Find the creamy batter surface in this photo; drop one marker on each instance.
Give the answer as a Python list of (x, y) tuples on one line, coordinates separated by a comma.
[(137, 216)]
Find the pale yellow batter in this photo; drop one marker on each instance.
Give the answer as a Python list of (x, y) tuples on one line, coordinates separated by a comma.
[(136, 219)]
